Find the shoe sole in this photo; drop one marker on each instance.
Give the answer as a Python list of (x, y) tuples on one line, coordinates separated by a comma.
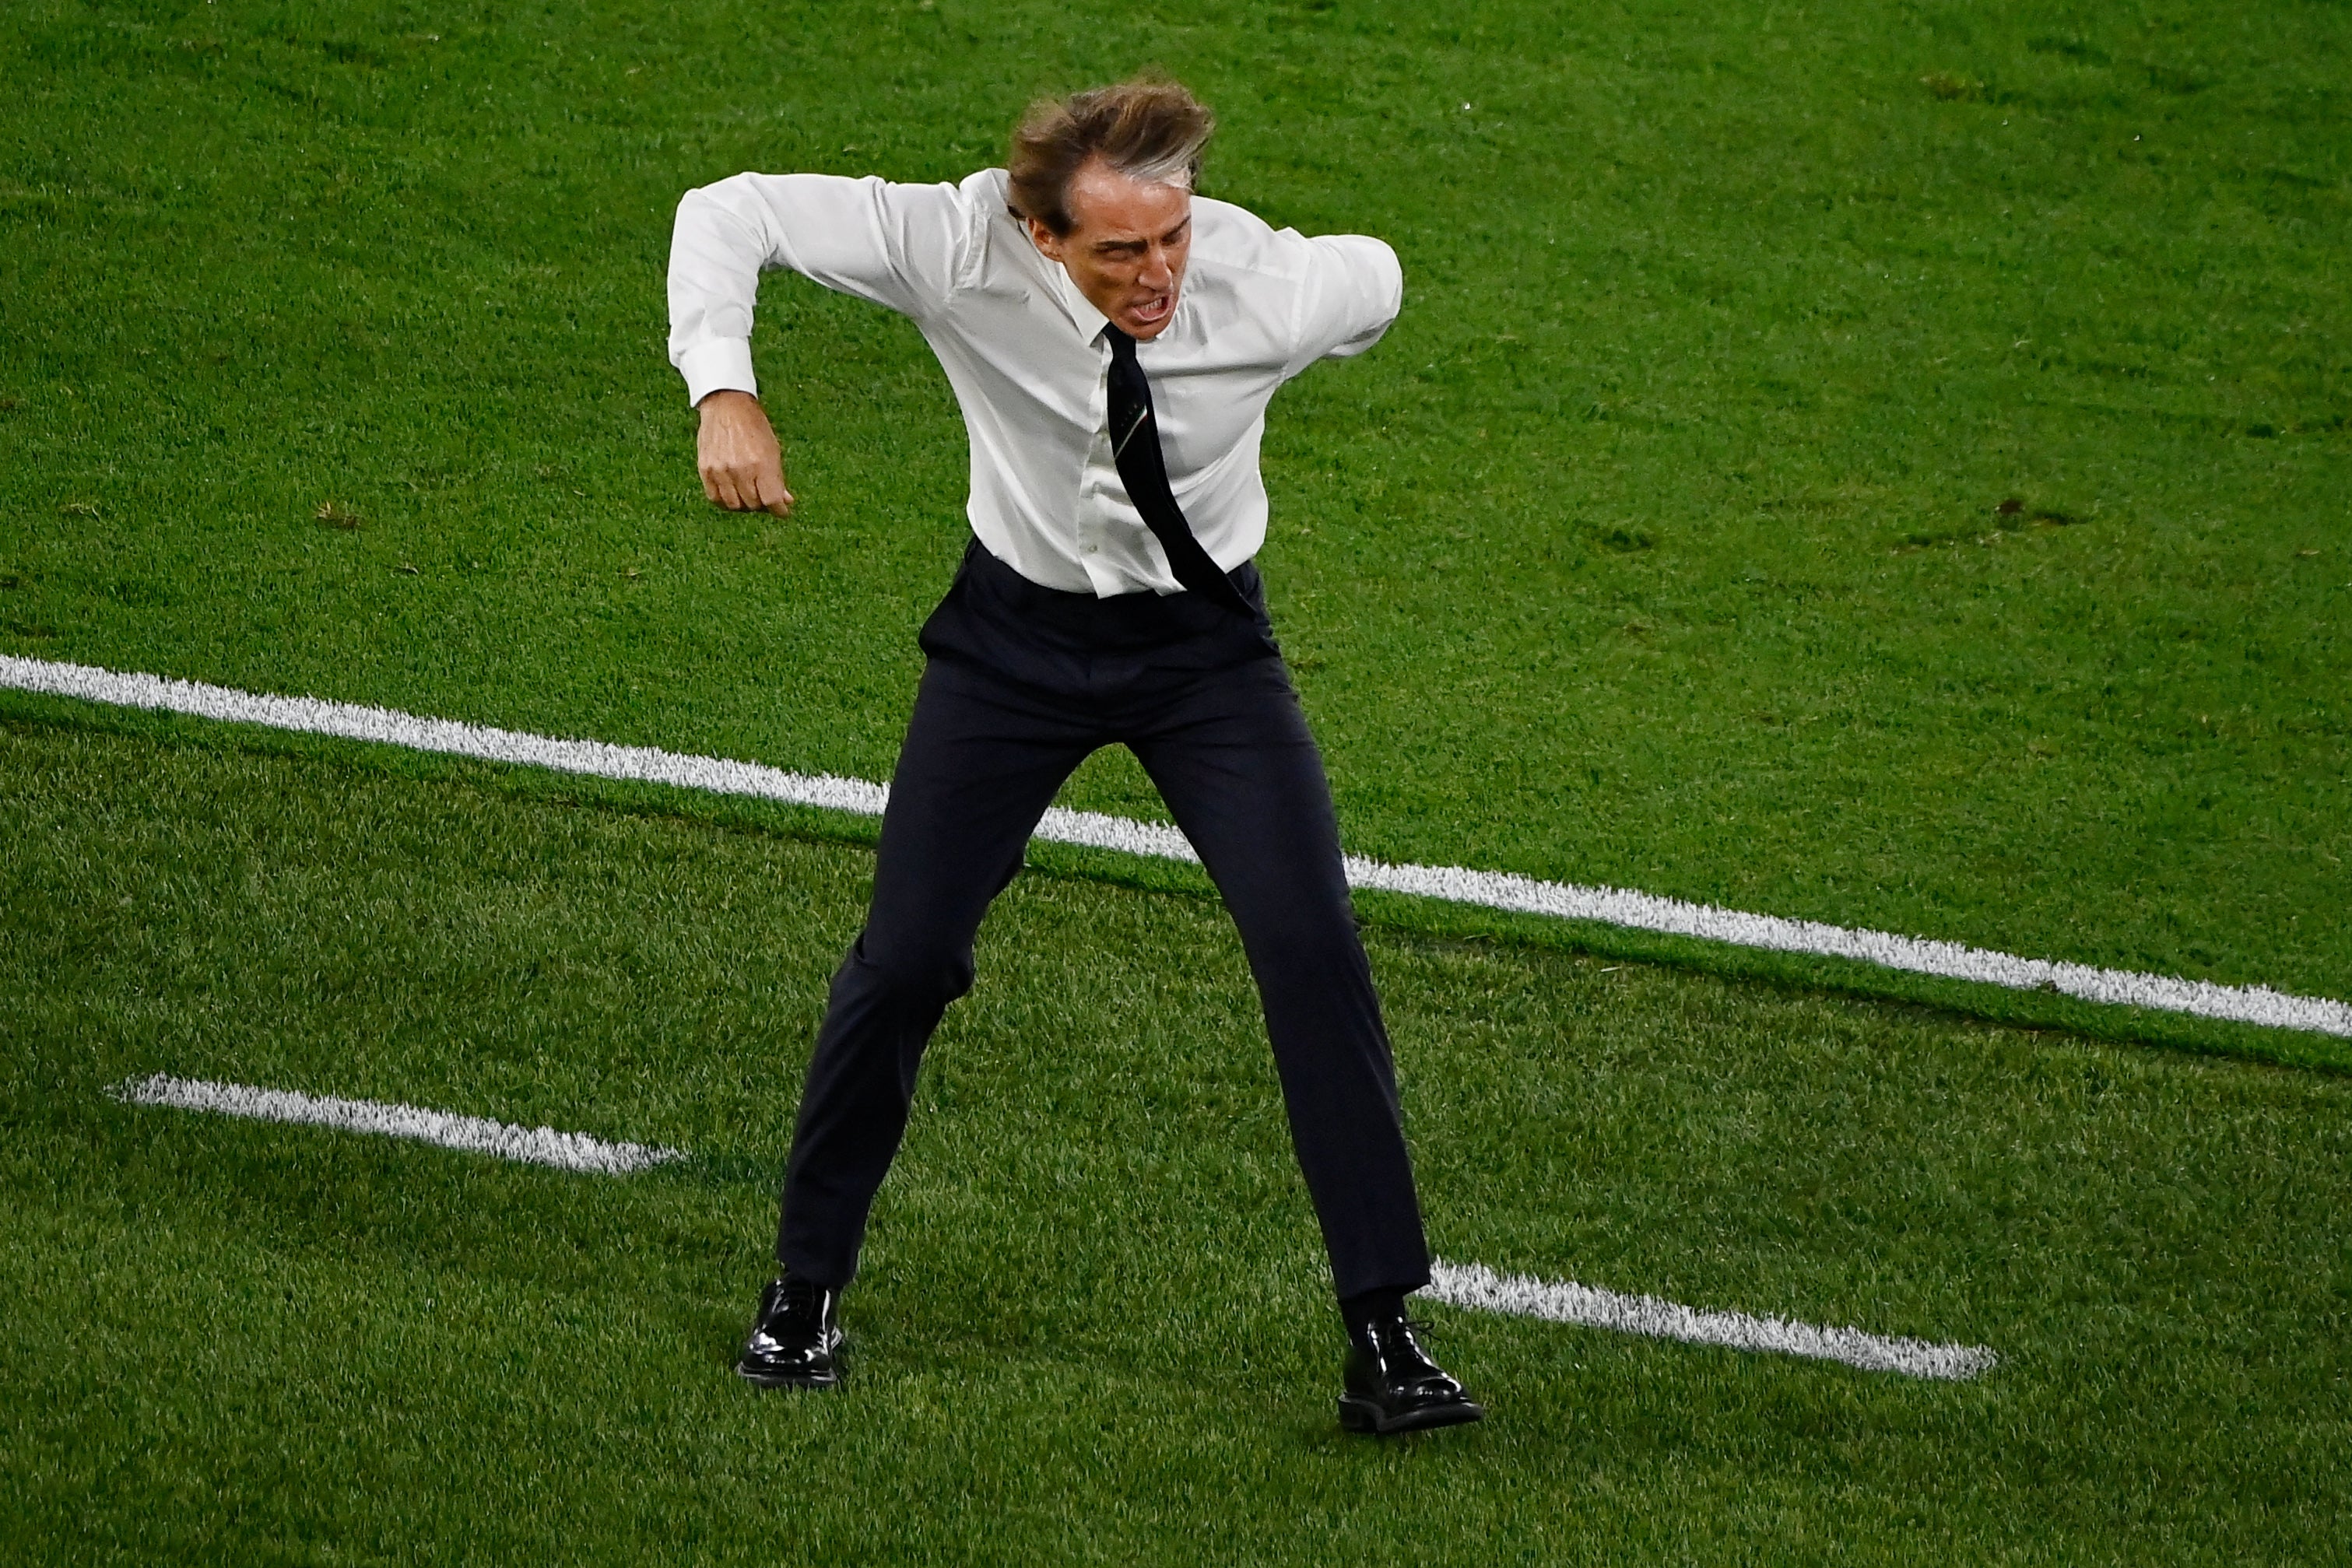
[(1363, 1416), (759, 1379)]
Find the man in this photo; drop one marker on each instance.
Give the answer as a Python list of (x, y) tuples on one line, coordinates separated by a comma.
[(1113, 341)]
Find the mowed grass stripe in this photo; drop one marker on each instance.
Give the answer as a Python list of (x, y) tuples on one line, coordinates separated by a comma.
[(2254, 1004), (1093, 1322), (1471, 1285)]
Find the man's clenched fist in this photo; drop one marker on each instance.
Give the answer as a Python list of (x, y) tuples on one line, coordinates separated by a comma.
[(742, 467)]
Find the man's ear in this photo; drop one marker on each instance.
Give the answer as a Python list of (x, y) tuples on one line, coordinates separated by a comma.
[(1044, 239)]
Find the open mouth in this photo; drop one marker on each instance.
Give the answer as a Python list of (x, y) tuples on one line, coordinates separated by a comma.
[(1154, 309)]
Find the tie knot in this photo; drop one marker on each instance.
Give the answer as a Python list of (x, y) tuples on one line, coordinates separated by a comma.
[(1122, 347)]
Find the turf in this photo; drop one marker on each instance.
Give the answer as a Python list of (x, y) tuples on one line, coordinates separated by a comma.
[(1878, 463), (1091, 1327), (1663, 543)]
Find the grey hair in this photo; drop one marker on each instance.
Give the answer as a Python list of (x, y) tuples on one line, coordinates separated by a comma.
[(1146, 129)]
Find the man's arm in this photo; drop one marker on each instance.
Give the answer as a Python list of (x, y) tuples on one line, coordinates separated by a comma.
[(1354, 288), (898, 245)]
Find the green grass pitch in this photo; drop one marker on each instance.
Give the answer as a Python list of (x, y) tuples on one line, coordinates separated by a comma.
[(1881, 463)]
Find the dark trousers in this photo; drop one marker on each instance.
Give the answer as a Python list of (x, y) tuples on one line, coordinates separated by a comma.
[(1023, 683)]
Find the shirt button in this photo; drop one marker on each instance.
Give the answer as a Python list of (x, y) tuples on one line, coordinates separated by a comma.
[(1094, 549)]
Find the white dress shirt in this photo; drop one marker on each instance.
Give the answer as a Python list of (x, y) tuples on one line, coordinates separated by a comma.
[(1027, 356)]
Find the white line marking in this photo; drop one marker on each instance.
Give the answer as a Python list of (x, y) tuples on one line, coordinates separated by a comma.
[(1915, 955), (1471, 1285), (1492, 890), (476, 1135), (309, 715), (1475, 1286)]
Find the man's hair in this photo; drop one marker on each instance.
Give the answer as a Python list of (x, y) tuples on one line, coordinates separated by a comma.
[(1147, 129)]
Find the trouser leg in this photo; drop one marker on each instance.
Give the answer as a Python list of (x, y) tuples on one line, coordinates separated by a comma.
[(1243, 777), (977, 770)]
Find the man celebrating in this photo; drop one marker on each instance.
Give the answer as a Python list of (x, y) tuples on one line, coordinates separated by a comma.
[(1113, 341)]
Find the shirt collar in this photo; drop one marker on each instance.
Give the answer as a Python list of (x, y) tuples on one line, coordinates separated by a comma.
[(1081, 310)]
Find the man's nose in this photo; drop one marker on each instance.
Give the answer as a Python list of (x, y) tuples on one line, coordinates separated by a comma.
[(1156, 273)]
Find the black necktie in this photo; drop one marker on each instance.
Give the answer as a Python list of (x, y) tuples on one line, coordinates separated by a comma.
[(1143, 468)]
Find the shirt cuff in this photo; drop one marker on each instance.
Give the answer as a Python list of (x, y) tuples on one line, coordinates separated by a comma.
[(722, 364)]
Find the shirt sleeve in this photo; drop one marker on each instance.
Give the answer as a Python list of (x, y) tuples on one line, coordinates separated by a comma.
[(1354, 288), (897, 245)]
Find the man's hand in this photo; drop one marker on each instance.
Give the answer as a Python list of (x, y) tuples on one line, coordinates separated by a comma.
[(742, 467)]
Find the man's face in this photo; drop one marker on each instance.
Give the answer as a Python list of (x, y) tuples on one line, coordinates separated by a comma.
[(1127, 243)]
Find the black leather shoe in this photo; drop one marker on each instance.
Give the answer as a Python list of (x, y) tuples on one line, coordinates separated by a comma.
[(797, 1343), (1393, 1386)]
